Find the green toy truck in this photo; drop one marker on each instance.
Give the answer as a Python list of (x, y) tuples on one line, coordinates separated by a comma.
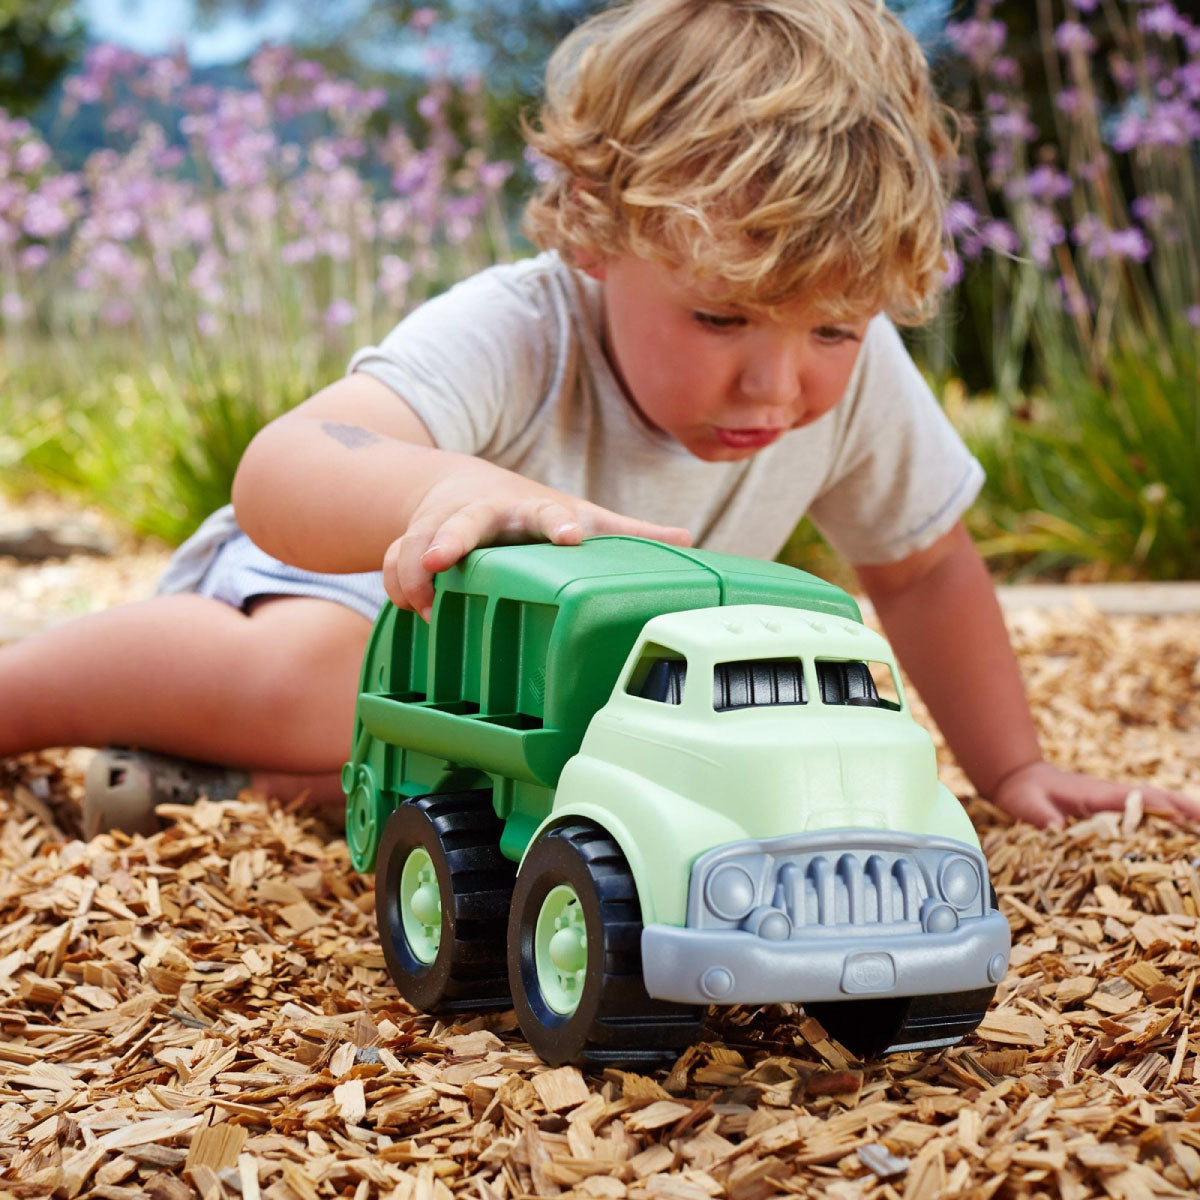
[(612, 784)]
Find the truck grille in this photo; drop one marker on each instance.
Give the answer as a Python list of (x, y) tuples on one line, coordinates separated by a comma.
[(835, 883), (849, 890)]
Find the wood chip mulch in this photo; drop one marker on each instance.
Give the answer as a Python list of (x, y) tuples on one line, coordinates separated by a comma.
[(205, 1012)]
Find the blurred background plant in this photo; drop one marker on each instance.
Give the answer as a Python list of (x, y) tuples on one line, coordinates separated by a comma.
[(189, 283), (1085, 189), (1072, 311), (186, 252)]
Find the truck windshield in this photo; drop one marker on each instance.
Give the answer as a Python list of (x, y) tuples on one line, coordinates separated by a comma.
[(753, 683), (853, 683), (659, 675)]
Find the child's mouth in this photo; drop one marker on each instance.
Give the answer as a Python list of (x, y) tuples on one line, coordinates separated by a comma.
[(746, 439)]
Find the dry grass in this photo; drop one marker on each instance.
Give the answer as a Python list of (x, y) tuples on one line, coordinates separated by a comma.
[(205, 1012)]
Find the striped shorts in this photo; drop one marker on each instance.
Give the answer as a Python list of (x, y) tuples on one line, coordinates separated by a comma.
[(240, 572)]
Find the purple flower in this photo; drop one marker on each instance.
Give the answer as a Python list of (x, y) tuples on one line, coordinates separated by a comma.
[(1163, 21), (164, 76), (1128, 243), (1085, 6), (206, 324), (422, 20), (44, 218), (339, 313), (542, 168), (493, 174), (960, 217), (1070, 101), (116, 312), (1088, 230), (1073, 38), (1043, 231), (999, 237), (334, 243), (395, 216), (1150, 210), (394, 277), (953, 272), (1124, 73), (1171, 123), (1100, 242), (1014, 124), (269, 66), (979, 41), (299, 251), (33, 258), (1193, 316), (1073, 299), (1006, 69), (1045, 183), (12, 307), (32, 156)]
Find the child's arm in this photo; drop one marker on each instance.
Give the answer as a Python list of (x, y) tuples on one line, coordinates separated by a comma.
[(940, 612), (351, 479)]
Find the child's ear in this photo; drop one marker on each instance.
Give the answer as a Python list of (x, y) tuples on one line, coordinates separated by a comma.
[(595, 267)]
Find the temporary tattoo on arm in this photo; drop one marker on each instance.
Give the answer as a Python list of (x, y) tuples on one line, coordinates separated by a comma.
[(353, 437)]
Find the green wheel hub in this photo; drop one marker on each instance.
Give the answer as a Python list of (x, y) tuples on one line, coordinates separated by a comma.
[(421, 905), (364, 815), (560, 949)]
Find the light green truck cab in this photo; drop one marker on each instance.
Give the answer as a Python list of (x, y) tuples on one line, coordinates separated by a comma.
[(712, 800)]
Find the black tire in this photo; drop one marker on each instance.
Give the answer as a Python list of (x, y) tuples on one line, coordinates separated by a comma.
[(870, 1028), (461, 834), (615, 1020)]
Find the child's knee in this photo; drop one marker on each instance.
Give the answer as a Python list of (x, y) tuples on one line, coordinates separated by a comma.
[(307, 655)]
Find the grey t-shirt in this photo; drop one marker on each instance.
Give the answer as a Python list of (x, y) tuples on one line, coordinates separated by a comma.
[(509, 365)]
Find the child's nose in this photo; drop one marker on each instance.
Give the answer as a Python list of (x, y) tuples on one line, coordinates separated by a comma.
[(772, 377)]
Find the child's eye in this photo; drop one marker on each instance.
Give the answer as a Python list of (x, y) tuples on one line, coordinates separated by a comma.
[(719, 320), (835, 335)]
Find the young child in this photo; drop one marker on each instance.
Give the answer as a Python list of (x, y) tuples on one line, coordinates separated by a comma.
[(744, 194)]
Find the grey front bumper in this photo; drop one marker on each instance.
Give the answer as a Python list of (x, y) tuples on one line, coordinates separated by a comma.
[(697, 966)]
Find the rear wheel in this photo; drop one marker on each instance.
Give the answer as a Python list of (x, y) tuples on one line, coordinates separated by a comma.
[(442, 893), (869, 1028), (575, 957)]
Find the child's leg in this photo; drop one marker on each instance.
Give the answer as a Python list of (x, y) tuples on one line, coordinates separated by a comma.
[(188, 675)]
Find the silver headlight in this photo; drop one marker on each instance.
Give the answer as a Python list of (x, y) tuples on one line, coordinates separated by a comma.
[(958, 882)]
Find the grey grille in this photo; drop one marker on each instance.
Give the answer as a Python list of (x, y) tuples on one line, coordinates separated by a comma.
[(848, 890), (868, 882)]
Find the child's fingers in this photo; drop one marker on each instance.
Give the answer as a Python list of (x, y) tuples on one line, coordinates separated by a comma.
[(611, 522), (556, 522), (407, 581), (1172, 803), (484, 523)]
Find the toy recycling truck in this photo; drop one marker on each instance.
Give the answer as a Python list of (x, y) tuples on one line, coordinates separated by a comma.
[(695, 762)]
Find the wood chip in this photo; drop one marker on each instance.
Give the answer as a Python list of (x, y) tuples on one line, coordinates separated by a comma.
[(205, 1012), (561, 1089)]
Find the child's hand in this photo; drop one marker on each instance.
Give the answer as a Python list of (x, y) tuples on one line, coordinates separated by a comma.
[(484, 505), (1044, 795)]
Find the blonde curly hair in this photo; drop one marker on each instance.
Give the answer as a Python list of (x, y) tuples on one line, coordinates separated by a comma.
[(774, 149)]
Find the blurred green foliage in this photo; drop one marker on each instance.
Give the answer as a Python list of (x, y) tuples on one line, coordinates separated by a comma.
[(39, 40)]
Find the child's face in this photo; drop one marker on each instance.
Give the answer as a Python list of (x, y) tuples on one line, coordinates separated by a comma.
[(721, 381)]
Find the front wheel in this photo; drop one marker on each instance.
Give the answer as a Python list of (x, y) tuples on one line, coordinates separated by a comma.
[(880, 1025), (442, 892), (575, 957)]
